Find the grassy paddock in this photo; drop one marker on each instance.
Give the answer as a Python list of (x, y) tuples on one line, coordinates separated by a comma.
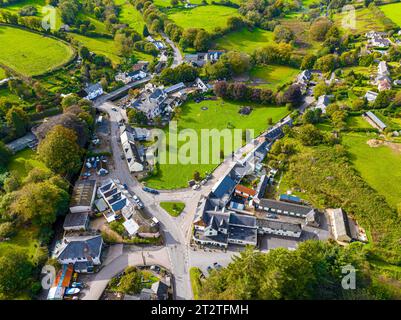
[(130, 15), (379, 166), (393, 12), (245, 40), (173, 208), (218, 115), (272, 76), (30, 53), (205, 17)]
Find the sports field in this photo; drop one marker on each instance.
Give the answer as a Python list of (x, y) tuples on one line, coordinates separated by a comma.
[(211, 114), (30, 53), (245, 40), (204, 17), (272, 76), (378, 165), (393, 11)]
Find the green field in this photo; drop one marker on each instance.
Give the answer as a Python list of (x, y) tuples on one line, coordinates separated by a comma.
[(23, 161), (272, 77), (173, 208), (30, 53), (358, 122), (245, 40), (365, 21), (130, 15), (2, 74), (379, 166), (106, 47), (393, 11), (204, 17), (219, 115)]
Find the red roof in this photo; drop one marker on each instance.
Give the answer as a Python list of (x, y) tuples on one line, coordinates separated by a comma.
[(243, 189)]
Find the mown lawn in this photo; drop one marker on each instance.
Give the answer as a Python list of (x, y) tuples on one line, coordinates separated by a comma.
[(219, 115), (379, 166), (272, 76), (206, 17), (245, 40), (130, 15), (30, 53), (106, 47), (358, 122), (173, 208), (23, 161), (393, 11)]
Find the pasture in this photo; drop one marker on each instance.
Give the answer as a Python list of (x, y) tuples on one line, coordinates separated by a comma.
[(130, 15), (245, 40), (393, 12), (272, 76), (2, 74), (204, 17), (365, 21), (379, 166), (23, 161), (30, 53), (106, 47), (210, 114)]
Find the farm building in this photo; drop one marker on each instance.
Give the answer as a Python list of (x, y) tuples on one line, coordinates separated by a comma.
[(284, 208), (83, 196), (340, 225), (374, 120)]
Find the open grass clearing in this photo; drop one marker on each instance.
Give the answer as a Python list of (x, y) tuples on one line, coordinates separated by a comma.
[(379, 165), (245, 40), (272, 76), (210, 114), (130, 15), (30, 53), (23, 161), (365, 21), (106, 47), (205, 17), (173, 208), (393, 12)]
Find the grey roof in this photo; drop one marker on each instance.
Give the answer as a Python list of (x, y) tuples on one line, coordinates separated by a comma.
[(22, 143), (341, 223), (175, 88), (376, 120), (83, 193), (82, 265), (79, 219), (225, 186), (81, 247), (146, 294), (242, 220), (156, 94), (243, 234), (285, 206), (278, 225), (160, 289), (93, 88)]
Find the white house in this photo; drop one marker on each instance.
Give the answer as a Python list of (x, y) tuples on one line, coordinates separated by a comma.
[(93, 91)]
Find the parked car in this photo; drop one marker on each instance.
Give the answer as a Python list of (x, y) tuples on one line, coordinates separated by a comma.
[(217, 266), (209, 269), (203, 182), (122, 157), (125, 186), (195, 186), (114, 108), (78, 285), (150, 190)]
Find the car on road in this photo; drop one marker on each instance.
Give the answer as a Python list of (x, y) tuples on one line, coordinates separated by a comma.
[(125, 186), (122, 156), (203, 182), (138, 201), (195, 186), (150, 190), (217, 266), (114, 108)]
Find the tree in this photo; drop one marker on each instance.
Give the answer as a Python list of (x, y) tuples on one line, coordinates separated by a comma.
[(136, 116), (309, 135), (15, 273), (326, 63), (7, 230), (283, 34), (319, 29), (321, 89), (84, 53), (18, 120), (293, 95), (202, 41), (308, 61), (5, 155), (131, 281), (383, 99), (60, 151), (197, 176), (40, 203), (397, 100)]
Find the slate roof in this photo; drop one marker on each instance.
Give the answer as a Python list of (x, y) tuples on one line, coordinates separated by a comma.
[(224, 187), (93, 88), (285, 206), (376, 120), (79, 219), (175, 88), (243, 234), (160, 289), (279, 225), (242, 220), (81, 247)]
